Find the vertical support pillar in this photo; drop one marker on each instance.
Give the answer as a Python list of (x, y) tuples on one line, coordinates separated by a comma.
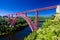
[(9, 16), (26, 13), (12, 15), (36, 19), (58, 9), (16, 16)]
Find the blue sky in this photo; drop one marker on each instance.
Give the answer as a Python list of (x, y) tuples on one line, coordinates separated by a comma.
[(13, 6)]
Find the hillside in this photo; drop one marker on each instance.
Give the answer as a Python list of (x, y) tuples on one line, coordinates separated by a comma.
[(50, 30)]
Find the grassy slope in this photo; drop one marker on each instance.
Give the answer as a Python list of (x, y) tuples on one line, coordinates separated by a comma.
[(50, 30)]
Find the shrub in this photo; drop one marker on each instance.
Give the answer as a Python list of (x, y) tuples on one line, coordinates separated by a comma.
[(50, 30), (5, 26)]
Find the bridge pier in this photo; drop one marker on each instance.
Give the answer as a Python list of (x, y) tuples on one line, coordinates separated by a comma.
[(26, 14), (12, 15), (58, 9), (36, 19)]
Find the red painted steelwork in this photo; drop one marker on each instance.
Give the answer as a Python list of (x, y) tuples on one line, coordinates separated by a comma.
[(40, 9), (33, 26)]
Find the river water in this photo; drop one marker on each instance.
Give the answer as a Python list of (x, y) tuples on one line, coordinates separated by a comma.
[(19, 35)]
